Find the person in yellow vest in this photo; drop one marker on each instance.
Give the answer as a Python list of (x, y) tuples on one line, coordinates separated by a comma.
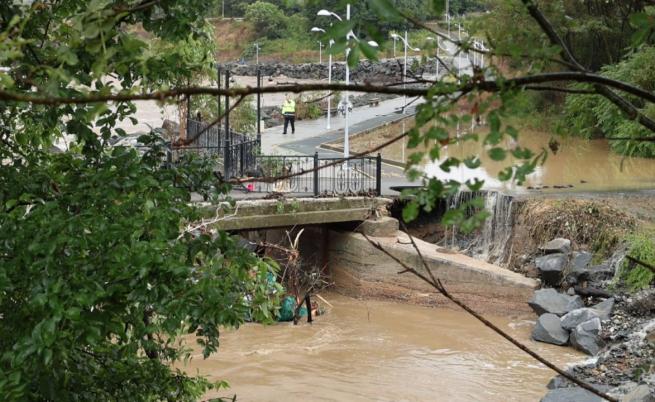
[(289, 113)]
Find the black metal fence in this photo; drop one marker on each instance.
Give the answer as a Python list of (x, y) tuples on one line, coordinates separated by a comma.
[(238, 155), (318, 176), (235, 153)]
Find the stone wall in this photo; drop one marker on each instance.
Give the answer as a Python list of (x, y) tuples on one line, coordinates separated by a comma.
[(366, 71)]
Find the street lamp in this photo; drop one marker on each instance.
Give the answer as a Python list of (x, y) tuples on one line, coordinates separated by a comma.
[(329, 98), (350, 35), (406, 43), (395, 38), (257, 52), (438, 56), (320, 52)]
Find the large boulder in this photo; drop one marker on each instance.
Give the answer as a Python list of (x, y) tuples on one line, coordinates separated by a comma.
[(549, 329), (578, 270), (549, 301), (585, 337), (572, 394), (604, 308), (576, 317), (558, 245), (551, 267), (640, 394)]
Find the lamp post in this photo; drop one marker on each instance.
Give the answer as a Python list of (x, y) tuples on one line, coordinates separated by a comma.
[(329, 98), (406, 43), (320, 52), (257, 52), (349, 35), (438, 56), (394, 45)]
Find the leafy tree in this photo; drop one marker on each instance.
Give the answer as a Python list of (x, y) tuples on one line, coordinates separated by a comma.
[(99, 277), (594, 116), (268, 19)]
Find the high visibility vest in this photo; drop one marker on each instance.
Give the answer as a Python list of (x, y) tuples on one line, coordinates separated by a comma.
[(289, 107)]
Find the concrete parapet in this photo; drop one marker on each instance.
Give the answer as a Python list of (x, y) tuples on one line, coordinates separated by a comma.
[(260, 214)]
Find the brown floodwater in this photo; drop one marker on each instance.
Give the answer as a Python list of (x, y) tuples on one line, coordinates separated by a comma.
[(578, 165), (364, 350)]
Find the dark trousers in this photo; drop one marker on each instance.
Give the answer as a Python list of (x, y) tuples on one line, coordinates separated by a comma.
[(289, 118)]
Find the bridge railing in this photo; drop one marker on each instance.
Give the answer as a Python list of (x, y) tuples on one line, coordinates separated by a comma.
[(303, 174)]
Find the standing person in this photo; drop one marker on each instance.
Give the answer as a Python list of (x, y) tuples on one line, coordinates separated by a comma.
[(289, 113)]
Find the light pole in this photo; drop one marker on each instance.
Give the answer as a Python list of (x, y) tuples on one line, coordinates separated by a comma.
[(406, 43), (349, 35), (320, 52), (257, 52), (329, 97), (437, 60), (394, 45)]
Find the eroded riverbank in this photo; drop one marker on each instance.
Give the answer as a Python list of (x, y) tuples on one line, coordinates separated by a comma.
[(380, 350)]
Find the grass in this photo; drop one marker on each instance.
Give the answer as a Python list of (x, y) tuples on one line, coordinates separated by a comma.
[(641, 246)]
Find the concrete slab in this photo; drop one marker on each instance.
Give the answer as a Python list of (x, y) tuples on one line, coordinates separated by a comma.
[(260, 214), (361, 270)]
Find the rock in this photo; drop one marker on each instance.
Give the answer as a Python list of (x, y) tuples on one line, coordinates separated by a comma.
[(558, 382), (580, 260), (573, 394), (574, 318), (585, 337), (604, 308), (558, 245), (549, 301), (549, 329), (639, 394), (570, 291), (551, 267), (384, 226), (600, 273)]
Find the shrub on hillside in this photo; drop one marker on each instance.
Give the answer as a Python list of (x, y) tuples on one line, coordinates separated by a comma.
[(586, 115), (268, 19)]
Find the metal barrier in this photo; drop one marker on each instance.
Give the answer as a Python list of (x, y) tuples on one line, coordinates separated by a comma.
[(356, 176), (237, 155)]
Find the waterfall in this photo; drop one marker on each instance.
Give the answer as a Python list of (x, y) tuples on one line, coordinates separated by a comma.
[(493, 242)]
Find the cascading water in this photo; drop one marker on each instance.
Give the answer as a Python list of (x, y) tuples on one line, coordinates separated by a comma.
[(493, 242)]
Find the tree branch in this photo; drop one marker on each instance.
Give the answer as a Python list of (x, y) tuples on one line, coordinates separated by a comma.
[(438, 285), (488, 86)]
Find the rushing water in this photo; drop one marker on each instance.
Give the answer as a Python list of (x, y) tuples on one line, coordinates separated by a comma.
[(385, 351)]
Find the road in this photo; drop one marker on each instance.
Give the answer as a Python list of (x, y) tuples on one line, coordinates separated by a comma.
[(310, 134)]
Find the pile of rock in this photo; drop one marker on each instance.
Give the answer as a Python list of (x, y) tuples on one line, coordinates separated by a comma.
[(559, 266), (563, 319)]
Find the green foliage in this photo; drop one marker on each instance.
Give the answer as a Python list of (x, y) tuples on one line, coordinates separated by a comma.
[(594, 116), (99, 278), (268, 19), (641, 246), (98, 281)]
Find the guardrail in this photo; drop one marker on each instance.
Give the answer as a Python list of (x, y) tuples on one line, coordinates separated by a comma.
[(356, 176)]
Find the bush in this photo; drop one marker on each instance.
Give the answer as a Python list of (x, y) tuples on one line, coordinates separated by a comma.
[(588, 116), (267, 18), (642, 248)]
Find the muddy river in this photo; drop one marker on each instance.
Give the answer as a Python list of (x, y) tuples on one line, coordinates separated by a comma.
[(386, 351)]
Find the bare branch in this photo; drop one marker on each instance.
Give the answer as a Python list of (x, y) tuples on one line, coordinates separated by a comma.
[(438, 285), (488, 86)]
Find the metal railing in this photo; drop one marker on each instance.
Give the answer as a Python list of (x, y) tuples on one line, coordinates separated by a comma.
[(357, 176), (238, 155), (235, 152)]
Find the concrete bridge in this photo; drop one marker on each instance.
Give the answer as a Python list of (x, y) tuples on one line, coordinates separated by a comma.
[(356, 267), (289, 212)]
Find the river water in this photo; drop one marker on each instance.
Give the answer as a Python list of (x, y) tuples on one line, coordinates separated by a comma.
[(364, 350)]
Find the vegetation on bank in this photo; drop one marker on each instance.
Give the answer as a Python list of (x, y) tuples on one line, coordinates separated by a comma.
[(601, 34), (641, 246)]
